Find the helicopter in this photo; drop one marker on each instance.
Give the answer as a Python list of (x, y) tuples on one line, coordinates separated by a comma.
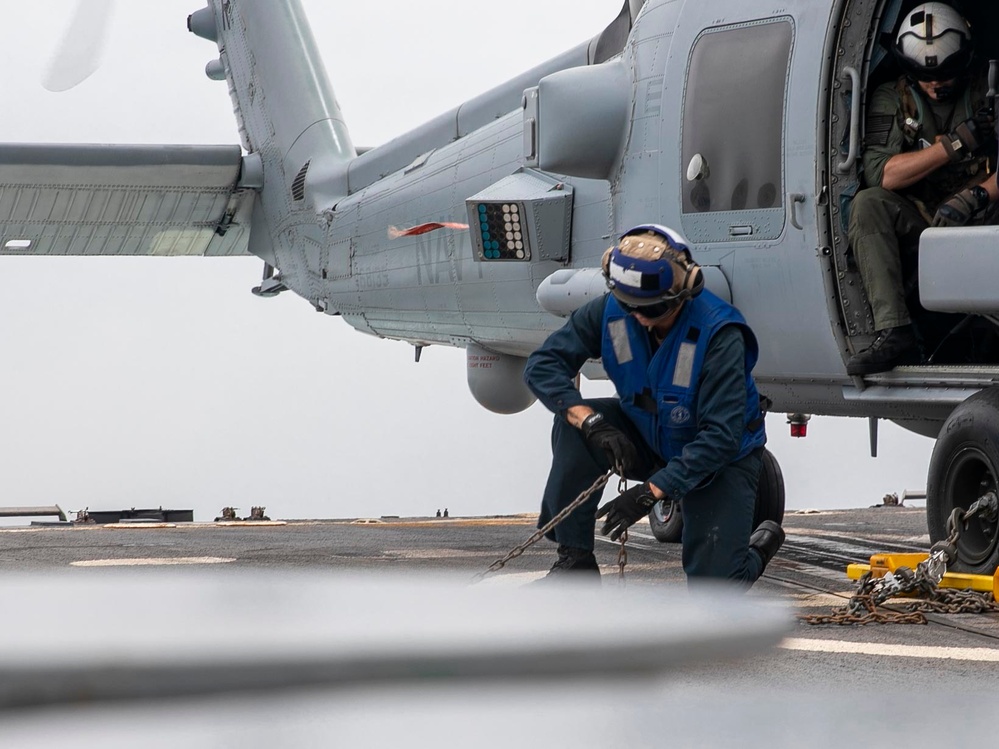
[(483, 228)]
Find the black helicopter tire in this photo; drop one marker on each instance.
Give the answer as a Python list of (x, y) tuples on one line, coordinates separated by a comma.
[(770, 492), (666, 520), (964, 466)]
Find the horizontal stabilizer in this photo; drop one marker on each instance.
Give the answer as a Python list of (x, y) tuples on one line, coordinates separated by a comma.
[(122, 200)]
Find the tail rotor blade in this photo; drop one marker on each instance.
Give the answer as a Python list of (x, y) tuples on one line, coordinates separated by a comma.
[(82, 46)]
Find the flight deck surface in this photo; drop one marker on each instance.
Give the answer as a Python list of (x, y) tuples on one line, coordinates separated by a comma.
[(821, 686)]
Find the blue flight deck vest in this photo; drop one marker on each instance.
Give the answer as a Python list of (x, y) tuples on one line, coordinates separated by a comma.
[(659, 392)]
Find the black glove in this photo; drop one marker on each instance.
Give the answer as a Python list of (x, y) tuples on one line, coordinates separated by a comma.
[(968, 137), (620, 450), (985, 123), (958, 209), (626, 509)]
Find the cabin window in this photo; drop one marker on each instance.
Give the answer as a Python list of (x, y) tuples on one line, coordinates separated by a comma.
[(733, 124)]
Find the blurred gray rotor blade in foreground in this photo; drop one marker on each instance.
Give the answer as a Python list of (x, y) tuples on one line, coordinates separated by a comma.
[(157, 636), (81, 48)]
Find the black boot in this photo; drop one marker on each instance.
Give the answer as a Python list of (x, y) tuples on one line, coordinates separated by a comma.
[(767, 539), (573, 562), (891, 348)]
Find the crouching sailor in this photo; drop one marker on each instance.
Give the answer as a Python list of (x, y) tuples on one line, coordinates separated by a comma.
[(686, 423)]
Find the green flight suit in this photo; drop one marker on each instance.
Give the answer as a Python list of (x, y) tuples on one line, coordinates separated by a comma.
[(884, 225)]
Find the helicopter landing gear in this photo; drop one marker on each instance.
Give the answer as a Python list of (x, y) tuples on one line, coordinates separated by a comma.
[(964, 469)]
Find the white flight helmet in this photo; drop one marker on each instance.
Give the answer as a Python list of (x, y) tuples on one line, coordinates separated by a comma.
[(934, 43)]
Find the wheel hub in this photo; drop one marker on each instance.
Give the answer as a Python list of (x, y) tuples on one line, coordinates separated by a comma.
[(664, 510), (970, 476)]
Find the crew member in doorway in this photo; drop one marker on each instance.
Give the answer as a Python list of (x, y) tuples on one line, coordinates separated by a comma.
[(686, 423), (930, 147)]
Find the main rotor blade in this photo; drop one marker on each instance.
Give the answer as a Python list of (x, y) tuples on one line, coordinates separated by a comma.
[(159, 635), (82, 46)]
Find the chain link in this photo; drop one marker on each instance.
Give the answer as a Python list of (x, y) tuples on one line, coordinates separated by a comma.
[(622, 554), (600, 483), (864, 607), (516, 551)]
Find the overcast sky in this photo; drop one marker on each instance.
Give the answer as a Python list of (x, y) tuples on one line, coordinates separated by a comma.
[(143, 382)]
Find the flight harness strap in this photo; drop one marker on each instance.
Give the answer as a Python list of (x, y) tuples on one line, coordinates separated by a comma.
[(765, 405), (912, 115), (646, 401)]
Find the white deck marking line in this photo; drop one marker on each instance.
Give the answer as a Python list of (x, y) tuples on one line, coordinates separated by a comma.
[(150, 561), (511, 579), (988, 655)]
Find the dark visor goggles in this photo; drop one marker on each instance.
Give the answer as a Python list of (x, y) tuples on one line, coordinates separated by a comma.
[(650, 311)]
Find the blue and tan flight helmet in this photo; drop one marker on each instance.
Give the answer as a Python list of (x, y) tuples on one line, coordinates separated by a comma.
[(650, 271)]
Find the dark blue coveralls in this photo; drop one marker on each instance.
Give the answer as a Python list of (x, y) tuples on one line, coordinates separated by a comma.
[(714, 476)]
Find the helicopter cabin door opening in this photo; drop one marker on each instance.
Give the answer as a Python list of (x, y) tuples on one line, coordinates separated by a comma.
[(863, 61)]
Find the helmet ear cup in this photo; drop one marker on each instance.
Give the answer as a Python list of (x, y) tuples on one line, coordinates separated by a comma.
[(695, 281), (605, 262), (690, 280), (687, 274)]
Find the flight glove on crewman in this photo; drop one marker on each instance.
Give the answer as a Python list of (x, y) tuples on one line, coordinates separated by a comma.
[(620, 450), (969, 137), (959, 209), (626, 509)]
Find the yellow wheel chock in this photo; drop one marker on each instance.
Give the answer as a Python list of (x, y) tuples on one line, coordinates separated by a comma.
[(881, 564)]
